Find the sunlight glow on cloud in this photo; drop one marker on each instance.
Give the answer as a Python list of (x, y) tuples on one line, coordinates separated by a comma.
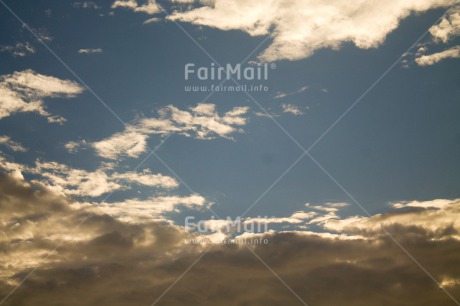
[(299, 27), (11, 144), (431, 59), (125, 247), (200, 122), (149, 7), (69, 181), (24, 92)]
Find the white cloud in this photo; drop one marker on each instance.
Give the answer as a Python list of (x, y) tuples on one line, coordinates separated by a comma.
[(182, 1), (152, 20), (273, 220), (426, 60), (300, 27), (24, 92), (438, 203), (437, 218), (280, 95), (82, 183), (90, 51), (443, 32), (135, 211), (74, 146), (74, 182), (128, 143), (291, 109), (19, 49), (304, 215), (200, 122), (149, 7), (448, 27), (302, 89), (12, 145), (147, 179), (86, 5)]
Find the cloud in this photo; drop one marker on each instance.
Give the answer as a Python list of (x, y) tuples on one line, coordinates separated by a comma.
[(300, 27), (42, 34), (78, 182), (68, 181), (147, 179), (19, 49), (436, 219), (137, 261), (12, 145), (24, 91), (127, 143), (200, 122), (149, 7), (439, 204), (152, 20), (280, 95), (441, 33), (140, 211), (90, 51), (74, 146), (291, 109), (86, 5), (448, 27), (427, 60)]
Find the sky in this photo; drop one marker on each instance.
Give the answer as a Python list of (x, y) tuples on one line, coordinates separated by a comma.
[(119, 142)]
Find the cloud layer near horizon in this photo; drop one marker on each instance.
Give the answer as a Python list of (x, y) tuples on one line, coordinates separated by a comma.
[(121, 263)]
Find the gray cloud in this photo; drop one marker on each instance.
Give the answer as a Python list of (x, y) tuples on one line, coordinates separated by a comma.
[(109, 262)]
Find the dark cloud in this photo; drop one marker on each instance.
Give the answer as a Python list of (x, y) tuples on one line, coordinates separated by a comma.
[(108, 262)]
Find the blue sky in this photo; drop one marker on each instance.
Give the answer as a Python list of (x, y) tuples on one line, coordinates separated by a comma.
[(355, 130), (399, 143)]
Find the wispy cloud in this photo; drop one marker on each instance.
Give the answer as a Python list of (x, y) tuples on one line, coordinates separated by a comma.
[(12, 145), (90, 51), (200, 122), (280, 95), (448, 27), (76, 182), (431, 59), (291, 109), (152, 20), (19, 49), (24, 92), (79, 182), (149, 7), (86, 5), (141, 211), (441, 34)]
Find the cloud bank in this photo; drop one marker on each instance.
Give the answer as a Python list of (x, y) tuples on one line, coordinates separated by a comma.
[(125, 263)]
